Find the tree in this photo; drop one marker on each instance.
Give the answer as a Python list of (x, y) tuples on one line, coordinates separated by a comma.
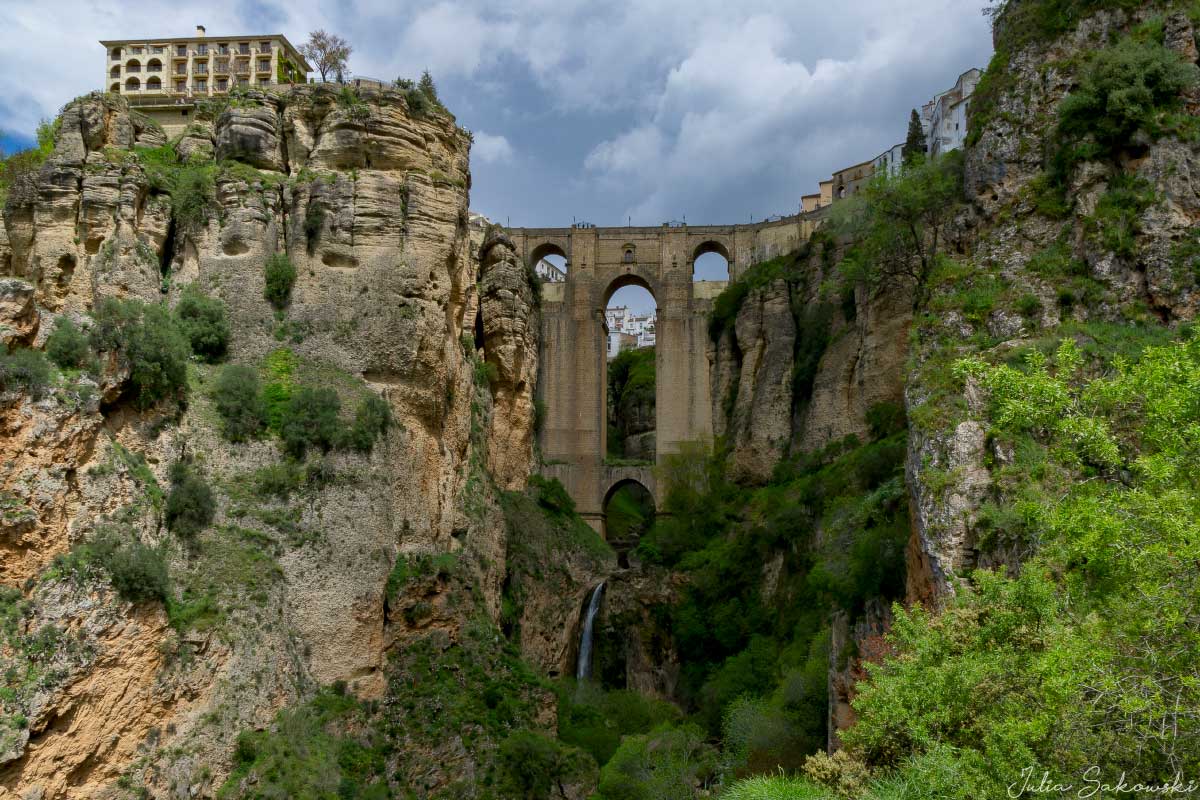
[(896, 224), (914, 144), (428, 88), (328, 52), (204, 322)]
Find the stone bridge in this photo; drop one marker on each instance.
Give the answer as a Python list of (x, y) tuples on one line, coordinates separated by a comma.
[(573, 376)]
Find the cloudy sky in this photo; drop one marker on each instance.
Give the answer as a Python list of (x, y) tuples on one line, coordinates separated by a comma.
[(650, 110)]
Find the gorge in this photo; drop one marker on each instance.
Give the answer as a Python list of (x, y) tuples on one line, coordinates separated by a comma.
[(307, 477)]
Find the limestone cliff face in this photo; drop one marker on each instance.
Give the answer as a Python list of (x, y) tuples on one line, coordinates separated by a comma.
[(793, 373), (370, 204), (508, 319)]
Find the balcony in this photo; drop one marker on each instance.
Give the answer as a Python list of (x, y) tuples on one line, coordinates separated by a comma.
[(181, 53), (264, 68), (181, 70), (264, 51), (221, 67)]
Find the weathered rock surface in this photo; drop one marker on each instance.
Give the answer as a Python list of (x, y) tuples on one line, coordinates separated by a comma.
[(508, 319), (372, 211)]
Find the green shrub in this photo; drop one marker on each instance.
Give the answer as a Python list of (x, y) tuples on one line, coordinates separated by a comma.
[(280, 275), (137, 571), (1126, 87), (237, 396), (278, 480), (1117, 218), (158, 355), (885, 419), (775, 788), (67, 345), (311, 420), (551, 496), (665, 764), (114, 319), (595, 720), (1029, 306), (533, 766), (371, 420), (205, 323), (26, 369), (192, 196), (190, 503)]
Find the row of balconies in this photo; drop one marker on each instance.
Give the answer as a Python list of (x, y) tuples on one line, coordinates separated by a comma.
[(183, 51), (198, 68)]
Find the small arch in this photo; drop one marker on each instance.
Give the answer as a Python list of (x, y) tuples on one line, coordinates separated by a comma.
[(549, 261), (154, 65), (710, 262), (116, 87), (630, 254), (115, 72), (133, 65), (628, 514), (132, 85), (116, 54), (154, 85)]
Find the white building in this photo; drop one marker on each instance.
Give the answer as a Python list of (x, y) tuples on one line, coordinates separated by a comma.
[(549, 273), (627, 328), (944, 118), (889, 161)]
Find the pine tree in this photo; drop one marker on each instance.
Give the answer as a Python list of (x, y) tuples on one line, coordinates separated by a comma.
[(427, 86), (914, 143)]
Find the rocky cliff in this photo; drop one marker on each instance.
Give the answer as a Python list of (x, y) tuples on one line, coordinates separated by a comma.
[(368, 200)]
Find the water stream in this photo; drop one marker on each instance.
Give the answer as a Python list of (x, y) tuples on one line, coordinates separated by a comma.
[(583, 669)]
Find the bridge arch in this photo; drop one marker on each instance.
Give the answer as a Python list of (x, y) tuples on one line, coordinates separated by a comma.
[(546, 249), (635, 277)]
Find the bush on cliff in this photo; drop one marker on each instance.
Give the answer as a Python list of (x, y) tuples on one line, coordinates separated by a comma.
[(371, 420), (190, 503), (237, 395), (205, 322), (279, 276), (26, 369), (311, 420), (150, 341), (67, 345)]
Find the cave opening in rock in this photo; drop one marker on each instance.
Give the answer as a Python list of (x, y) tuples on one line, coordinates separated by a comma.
[(631, 319), (168, 251)]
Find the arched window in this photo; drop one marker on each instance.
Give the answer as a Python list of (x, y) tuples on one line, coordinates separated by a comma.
[(154, 65), (132, 85), (116, 87), (115, 72), (116, 54), (630, 254), (154, 85), (133, 65)]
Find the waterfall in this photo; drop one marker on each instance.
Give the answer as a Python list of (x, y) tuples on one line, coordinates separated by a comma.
[(584, 668)]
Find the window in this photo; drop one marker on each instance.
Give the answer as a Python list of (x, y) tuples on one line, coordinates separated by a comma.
[(223, 49), (137, 51), (132, 85), (222, 84), (200, 68), (201, 49), (181, 50), (154, 85), (115, 72), (116, 87), (628, 258), (157, 49), (243, 82), (201, 85), (264, 47), (181, 86), (154, 65), (264, 65), (244, 48), (116, 54)]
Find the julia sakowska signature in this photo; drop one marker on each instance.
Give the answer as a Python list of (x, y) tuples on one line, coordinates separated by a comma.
[(1091, 784)]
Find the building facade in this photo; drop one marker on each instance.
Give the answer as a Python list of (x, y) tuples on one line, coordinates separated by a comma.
[(846, 182), (889, 161), (945, 116), (627, 328), (164, 77), (549, 273)]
